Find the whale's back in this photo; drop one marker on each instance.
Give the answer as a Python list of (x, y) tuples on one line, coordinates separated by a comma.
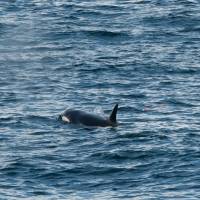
[(87, 119)]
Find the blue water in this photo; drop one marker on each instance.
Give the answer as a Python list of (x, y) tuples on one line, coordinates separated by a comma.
[(143, 54)]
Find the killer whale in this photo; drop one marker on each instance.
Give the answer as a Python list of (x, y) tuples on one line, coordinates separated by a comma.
[(89, 119)]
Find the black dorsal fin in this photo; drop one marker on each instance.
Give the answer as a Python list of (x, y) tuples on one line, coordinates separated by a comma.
[(113, 114)]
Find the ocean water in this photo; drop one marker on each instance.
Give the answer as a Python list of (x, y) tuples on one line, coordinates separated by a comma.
[(58, 54)]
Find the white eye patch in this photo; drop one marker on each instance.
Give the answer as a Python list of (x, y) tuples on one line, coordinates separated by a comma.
[(65, 119)]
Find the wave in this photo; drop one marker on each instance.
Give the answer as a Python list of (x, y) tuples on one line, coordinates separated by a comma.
[(179, 102), (106, 33)]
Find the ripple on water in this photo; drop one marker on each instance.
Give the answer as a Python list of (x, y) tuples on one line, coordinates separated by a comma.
[(143, 55)]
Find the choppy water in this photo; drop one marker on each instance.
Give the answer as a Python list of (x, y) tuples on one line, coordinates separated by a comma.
[(145, 55)]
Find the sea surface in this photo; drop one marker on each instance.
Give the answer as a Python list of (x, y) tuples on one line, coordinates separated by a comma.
[(90, 55)]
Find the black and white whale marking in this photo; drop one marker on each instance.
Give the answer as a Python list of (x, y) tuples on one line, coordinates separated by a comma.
[(89, 119)]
